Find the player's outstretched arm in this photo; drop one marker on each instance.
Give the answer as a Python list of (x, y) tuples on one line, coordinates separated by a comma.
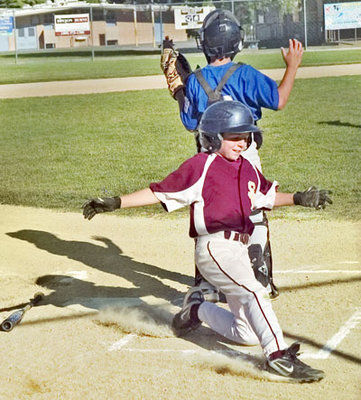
[(312, 197), (292, 58), (98, 205)]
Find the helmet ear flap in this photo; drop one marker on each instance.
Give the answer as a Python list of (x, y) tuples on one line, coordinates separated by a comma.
[(210, 143)]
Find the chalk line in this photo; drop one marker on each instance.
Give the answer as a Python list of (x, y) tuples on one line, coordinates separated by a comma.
[(318, 271), (322, 354), (348, 262), (134, 350), (122, 342), (336, 339)]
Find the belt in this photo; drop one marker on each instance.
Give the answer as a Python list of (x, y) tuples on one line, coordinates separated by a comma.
[(238, 237)]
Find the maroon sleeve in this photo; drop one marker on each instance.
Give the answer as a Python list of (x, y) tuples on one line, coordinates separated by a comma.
[(183, 177)]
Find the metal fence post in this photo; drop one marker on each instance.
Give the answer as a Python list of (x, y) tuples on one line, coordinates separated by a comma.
[(305, 21), (161, 24), (15, 38), (92, 29), (152, 18), (135, 24)]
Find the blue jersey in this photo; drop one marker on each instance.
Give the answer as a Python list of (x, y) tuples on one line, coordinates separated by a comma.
[(246, 84)]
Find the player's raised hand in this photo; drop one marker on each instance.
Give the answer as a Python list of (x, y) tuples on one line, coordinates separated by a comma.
[(100, 205), (313, 197), (293, 55)]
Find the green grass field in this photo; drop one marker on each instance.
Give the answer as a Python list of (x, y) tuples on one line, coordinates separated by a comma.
[(40, 69), (58, 151)]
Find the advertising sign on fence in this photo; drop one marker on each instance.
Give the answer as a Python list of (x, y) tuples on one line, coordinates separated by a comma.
[(6, 24), (190, 17), (72, 24), (342, 15)]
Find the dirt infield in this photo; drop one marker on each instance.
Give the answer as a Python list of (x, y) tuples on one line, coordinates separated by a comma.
[(112, 285), (88, 86)]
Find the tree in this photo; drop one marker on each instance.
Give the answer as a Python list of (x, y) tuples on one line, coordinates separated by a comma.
[(11, 3), (19, 3), (284, 6)]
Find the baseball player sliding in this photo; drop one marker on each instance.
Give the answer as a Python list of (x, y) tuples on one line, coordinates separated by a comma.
[(221, 38), (222, 188)]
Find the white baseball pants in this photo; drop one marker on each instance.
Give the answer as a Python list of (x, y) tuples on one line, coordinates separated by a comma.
[(225, 264)]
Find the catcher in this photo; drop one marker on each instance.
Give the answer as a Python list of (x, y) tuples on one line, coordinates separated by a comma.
[(221, 38)]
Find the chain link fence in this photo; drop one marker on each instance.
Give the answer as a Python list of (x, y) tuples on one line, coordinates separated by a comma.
[(143, 26)]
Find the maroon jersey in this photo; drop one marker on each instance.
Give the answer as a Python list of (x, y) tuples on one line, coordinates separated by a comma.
[(221, 193)]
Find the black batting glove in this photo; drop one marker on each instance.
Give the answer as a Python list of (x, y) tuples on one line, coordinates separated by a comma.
[(312, 197), (100, 205)]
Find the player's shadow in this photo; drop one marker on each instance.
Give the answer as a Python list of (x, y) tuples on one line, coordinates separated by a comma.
[(67, 290), (335, 352), (339, 123), (146, 279), (312, 285)]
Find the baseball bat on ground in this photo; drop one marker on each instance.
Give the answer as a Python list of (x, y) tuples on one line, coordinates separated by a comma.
[(14, 319)]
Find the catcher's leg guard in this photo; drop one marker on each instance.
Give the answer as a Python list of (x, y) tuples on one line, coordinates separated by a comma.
[(260, 254), (267, 254), (260, 269)]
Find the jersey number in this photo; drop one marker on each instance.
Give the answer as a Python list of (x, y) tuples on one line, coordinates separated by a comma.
[(252, 193)]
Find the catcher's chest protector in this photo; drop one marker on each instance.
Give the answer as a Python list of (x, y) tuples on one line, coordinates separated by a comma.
[(215, 95)]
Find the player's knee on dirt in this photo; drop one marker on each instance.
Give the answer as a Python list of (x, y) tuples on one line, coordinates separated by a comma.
[(243, 334), (258, 264)]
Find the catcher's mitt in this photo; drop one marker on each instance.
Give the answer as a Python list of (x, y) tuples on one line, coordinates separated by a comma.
[(174, 66), (312, 197)]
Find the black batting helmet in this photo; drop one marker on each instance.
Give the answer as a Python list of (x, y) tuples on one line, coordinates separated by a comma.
[(224, 117), (221, 35)]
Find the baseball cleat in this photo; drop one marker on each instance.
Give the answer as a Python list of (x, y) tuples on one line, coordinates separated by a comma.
[(183, 322), (210, 292), (286, 363)]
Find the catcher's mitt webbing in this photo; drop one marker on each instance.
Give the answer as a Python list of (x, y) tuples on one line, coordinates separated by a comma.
[(215, 95), (175, 68)]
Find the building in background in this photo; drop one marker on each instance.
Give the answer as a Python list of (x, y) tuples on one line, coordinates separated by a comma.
[(112, 25)]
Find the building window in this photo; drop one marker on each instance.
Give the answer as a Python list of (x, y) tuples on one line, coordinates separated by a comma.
[(48, 19), (110, 19), (31, 31), (21, 32)]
